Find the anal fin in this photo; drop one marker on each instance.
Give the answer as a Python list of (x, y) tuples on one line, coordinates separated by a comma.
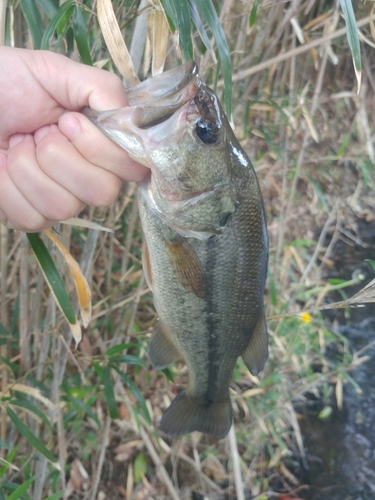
[(256, 353), (161, 350)]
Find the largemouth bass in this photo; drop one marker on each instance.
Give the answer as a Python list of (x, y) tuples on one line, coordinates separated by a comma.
[(205, 241)]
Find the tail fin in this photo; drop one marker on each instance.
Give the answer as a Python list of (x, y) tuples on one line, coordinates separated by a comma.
[(188, 414)]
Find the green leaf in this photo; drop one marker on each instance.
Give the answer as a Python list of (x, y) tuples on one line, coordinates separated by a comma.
[(3, 330), (9, 458), (109, 392), (325, 413), (15, 316), (30, 436), (56, 496), (371, 262), (33, 21), (209, 14), (13, 366), (343, 146), (136, 392), (49, 7), (61, 26), (80, 35), (118, 348), (352, 36), (253, 13), (127, 358), (32, 408), (140, 466), (199, 25), (17, 493), (184, 27), (63, 15), (170, 11), (52, 276), (86, 408)]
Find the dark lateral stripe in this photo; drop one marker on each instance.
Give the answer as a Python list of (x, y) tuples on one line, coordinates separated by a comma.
[(211, 326)]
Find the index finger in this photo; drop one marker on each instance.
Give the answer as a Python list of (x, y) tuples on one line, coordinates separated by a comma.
[(98, 149)]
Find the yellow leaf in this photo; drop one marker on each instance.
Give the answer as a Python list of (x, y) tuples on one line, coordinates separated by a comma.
[(115, 42), (80, 282)]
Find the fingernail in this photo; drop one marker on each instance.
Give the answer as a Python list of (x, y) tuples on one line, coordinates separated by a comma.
[(16, 139), (70, 126), (42, 132)]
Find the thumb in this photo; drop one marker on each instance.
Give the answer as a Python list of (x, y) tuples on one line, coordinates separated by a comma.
[(75, 85)]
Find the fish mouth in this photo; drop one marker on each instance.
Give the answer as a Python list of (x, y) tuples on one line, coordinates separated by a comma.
[(151, 102)]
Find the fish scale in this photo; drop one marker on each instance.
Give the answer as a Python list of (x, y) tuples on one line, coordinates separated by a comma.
[(206, 246)]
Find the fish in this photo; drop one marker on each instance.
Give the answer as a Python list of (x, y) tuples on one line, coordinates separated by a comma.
[(205, 250)]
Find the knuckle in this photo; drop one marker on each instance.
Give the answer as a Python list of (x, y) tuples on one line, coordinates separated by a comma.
[(105, 193), (32, 223), (64, 209)]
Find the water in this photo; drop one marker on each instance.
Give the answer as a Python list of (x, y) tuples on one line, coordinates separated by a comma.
[(341, 449)]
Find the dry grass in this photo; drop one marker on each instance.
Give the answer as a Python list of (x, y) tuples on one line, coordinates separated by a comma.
[(311, 140)]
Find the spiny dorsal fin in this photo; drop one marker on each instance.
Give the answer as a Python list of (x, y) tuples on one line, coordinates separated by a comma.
[(186, 265), (161, 350), (256, 352)]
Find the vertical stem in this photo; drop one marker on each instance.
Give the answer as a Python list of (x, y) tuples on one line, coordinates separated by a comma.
[(25, 350), (4, 318), (3, 8)]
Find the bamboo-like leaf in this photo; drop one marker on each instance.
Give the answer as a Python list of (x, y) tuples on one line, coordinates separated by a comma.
[(33, 21), (88, 224), (7, 465), (137, 393), (49, 7), (55, 282), (140, 467), (170, 11), (80, 35), (80, 282), (158, 34), (253, 13), (63, 14), (109, 392), (115, 42), (31, 437), (202, 32), (128, 358), (118, 348), (34, 392), (18, 492), (86, 408), (209, 14), (184, 28), (31, 409), (64, 25), (56, 496), (353, 38)]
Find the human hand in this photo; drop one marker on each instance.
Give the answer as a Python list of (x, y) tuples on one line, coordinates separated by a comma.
[(53, 160)]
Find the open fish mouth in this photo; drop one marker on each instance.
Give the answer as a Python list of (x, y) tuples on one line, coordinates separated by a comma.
[(152, 101)]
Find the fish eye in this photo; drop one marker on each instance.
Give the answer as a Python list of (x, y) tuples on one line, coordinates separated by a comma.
[(207, 131)]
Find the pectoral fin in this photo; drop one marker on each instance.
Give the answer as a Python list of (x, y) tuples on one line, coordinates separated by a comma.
[(147, 265), (256, 352), (161, 350), (186, 266)]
